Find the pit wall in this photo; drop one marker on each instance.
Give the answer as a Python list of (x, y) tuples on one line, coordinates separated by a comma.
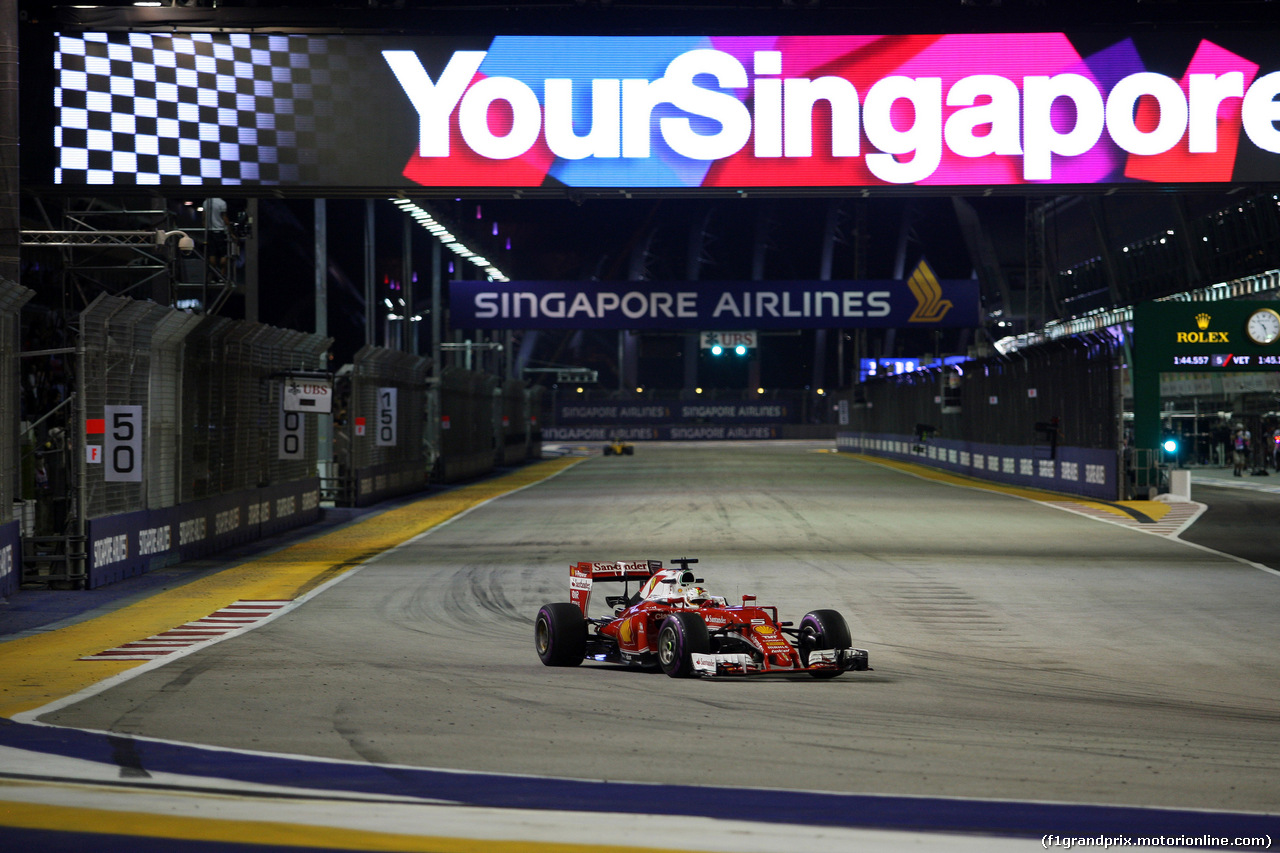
[(10, 558), (132, 543), (1071, 470), (378, 483)]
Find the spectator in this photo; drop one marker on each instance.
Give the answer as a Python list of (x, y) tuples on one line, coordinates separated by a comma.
[(1240, 447), (215, 219)]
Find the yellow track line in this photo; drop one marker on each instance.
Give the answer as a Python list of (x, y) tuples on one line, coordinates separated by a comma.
[(1154, 510), (36, 670), (260, 834)]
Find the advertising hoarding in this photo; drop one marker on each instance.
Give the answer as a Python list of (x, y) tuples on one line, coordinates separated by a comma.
[(668, 112), (1073, 470), (681, 412), (709, 305)]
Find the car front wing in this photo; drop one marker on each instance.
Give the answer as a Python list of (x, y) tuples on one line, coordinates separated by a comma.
[(820, 660)]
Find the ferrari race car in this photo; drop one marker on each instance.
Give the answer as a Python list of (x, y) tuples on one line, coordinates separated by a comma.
[(619, 448), (672, 623)]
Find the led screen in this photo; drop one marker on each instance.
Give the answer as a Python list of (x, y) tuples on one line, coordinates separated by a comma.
[(664, 112)]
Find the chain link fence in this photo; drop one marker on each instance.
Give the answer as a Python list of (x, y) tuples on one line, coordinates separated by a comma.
[(1072, 384), (1047, 416), (177, 441), (122, 340), (231, 405), (518, 426), (173, 444), (208, 394), (469, 440), (383, 444), (395, 432), (12, 297)]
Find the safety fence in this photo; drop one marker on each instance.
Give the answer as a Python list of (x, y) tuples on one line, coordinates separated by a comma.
[(468, 441), (237, 434), (383, 444), (518, 428), (174, 444), (168, 435), (397, 429), (484, 423), (12, 298), (201, 395), (1046, 416)]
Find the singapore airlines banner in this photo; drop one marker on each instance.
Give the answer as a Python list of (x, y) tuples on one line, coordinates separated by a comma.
[(921, 301), (550, 112)]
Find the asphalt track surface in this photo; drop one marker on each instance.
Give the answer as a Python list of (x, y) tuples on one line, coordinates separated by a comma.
[(1239, 521), (1036, 672)]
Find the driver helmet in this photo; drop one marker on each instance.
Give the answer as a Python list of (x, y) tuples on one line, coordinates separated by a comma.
[(671, 583), (696, 596)]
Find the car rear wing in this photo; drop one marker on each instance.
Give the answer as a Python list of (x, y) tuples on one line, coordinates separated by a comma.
[(583, 575)]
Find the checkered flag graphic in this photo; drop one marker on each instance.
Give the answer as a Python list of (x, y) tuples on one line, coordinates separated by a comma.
[(197, 108)]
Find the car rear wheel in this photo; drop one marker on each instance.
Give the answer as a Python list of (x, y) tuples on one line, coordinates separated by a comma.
[(823, 629), (681, 636), (560, 634)]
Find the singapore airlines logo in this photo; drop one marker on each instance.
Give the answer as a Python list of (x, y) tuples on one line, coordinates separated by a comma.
[(930, 306)]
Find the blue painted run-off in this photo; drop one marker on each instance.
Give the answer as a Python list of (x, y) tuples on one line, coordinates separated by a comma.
[(862, 811)]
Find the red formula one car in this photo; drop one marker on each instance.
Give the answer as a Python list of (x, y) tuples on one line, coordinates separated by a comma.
[(672, 623)]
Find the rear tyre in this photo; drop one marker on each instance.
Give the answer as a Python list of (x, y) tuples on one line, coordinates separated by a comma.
[(629, 450), (560, 634), (823, 629), (681, 636), (608, 450)]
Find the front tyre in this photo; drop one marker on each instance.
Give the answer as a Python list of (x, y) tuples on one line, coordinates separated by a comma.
[(681, 636), (560, 634), (823, 629)]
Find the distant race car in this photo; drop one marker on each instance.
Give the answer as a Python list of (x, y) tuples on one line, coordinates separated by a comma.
[(619, 448), (672, 623)]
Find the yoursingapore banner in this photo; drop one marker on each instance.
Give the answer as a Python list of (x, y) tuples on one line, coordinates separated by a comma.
[(666, 112), (922, 301)]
